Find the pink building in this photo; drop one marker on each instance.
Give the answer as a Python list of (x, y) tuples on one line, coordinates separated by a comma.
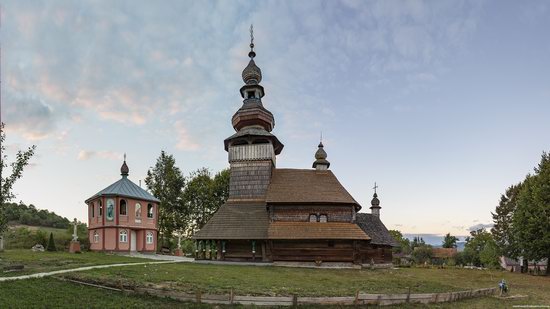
[(123, 217)]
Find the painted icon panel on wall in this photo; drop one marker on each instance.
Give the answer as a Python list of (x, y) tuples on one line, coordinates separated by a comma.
[(138, 212), (110, 209)]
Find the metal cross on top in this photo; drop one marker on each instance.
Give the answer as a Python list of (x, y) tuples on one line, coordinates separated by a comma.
[(251, 34), (375, 186)]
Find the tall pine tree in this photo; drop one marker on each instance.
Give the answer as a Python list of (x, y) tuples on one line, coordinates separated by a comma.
[(166, 181), (502, 218), (531, 221)]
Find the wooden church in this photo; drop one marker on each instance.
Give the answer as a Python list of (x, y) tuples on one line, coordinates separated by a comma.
[(285, 215)]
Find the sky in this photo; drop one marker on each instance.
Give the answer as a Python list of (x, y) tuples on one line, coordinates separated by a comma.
[(443, 103)]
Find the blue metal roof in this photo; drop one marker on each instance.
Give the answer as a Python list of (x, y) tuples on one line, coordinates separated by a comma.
[(125, 187)]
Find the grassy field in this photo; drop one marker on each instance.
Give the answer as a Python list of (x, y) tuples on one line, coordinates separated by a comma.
[(250, 280), (36, 262), (53, 293)]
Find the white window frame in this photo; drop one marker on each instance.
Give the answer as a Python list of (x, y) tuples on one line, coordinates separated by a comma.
[(96, 237), (123, 236), (149, 238)]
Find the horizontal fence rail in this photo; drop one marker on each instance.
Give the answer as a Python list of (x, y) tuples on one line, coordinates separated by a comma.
[(358, 299)]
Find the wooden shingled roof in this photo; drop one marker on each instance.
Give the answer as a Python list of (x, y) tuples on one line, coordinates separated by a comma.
[(236, 221), (301, 186), (373, 226), (315, 230)]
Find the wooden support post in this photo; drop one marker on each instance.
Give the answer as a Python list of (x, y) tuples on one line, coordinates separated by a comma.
[(231, 296), (356, 301), (253, 250), (294, 300), (223, 249), (198, 297), (409, 294)]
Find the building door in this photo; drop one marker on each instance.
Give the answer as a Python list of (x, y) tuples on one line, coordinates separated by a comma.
[(133, 239)]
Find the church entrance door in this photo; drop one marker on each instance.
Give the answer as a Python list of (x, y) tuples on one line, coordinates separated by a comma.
[(133, 241)]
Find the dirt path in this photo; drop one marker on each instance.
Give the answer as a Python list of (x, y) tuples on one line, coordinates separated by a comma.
[(62, 271)]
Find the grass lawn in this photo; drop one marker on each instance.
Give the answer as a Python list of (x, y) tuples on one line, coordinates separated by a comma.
[(53, 293), (250, 280), (36, 262)]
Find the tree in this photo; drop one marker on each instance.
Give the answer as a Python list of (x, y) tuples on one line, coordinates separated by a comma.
[(417, 242), (404, 243), (449, 241), (203, 195), (481, 241), (21, 160), (531, 220), (422, 254), (502, 218), (166, 182), (51, 244)]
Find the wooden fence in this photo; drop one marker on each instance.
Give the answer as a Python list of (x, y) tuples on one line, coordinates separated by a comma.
[(358, 299)]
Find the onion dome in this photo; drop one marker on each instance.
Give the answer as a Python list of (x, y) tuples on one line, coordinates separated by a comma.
[(124, 170), (252, 75), (375, 202), (321, 158)]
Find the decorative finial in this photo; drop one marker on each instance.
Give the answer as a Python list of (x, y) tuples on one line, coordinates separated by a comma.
[(321, 162), (251, 54), (124, 170), (375, 187)]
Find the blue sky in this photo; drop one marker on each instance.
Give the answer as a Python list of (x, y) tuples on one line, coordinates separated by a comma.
[(443, 103)]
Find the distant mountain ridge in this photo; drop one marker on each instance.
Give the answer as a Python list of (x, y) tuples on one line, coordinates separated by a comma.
[(436, 240)]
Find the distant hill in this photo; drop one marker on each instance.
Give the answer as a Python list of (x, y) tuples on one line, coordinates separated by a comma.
[(21, 214), (436, 240)]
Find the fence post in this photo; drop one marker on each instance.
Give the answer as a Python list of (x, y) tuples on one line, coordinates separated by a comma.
[(198, 297), (231, 296), (409, 294), (356, 301), (295, 300)]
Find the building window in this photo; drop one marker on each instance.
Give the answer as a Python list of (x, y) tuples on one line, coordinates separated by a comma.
[(96, 237), (92, 210), (312, 218), (138, 210), (100, 209), (123, 210), (149, 237), (251, 94), (123, 236), (323, 218), (150, 210)]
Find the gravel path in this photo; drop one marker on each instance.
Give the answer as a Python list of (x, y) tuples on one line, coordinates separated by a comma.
[(62, 271)]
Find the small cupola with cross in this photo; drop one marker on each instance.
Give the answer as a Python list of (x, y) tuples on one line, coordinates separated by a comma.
[(375, 203)]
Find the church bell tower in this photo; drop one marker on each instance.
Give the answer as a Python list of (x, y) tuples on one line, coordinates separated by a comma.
[(252, 149)]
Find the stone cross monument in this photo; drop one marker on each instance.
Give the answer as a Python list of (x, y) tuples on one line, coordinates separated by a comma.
[(75, 235), (74, 247)]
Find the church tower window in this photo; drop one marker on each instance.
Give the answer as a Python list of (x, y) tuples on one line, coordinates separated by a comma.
[(123, 209), (150, 209)]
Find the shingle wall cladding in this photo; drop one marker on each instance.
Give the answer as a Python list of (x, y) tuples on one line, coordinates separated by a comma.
[(293, 213), (249, 179)]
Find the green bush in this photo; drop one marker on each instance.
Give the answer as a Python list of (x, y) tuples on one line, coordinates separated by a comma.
[(51, 244)]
